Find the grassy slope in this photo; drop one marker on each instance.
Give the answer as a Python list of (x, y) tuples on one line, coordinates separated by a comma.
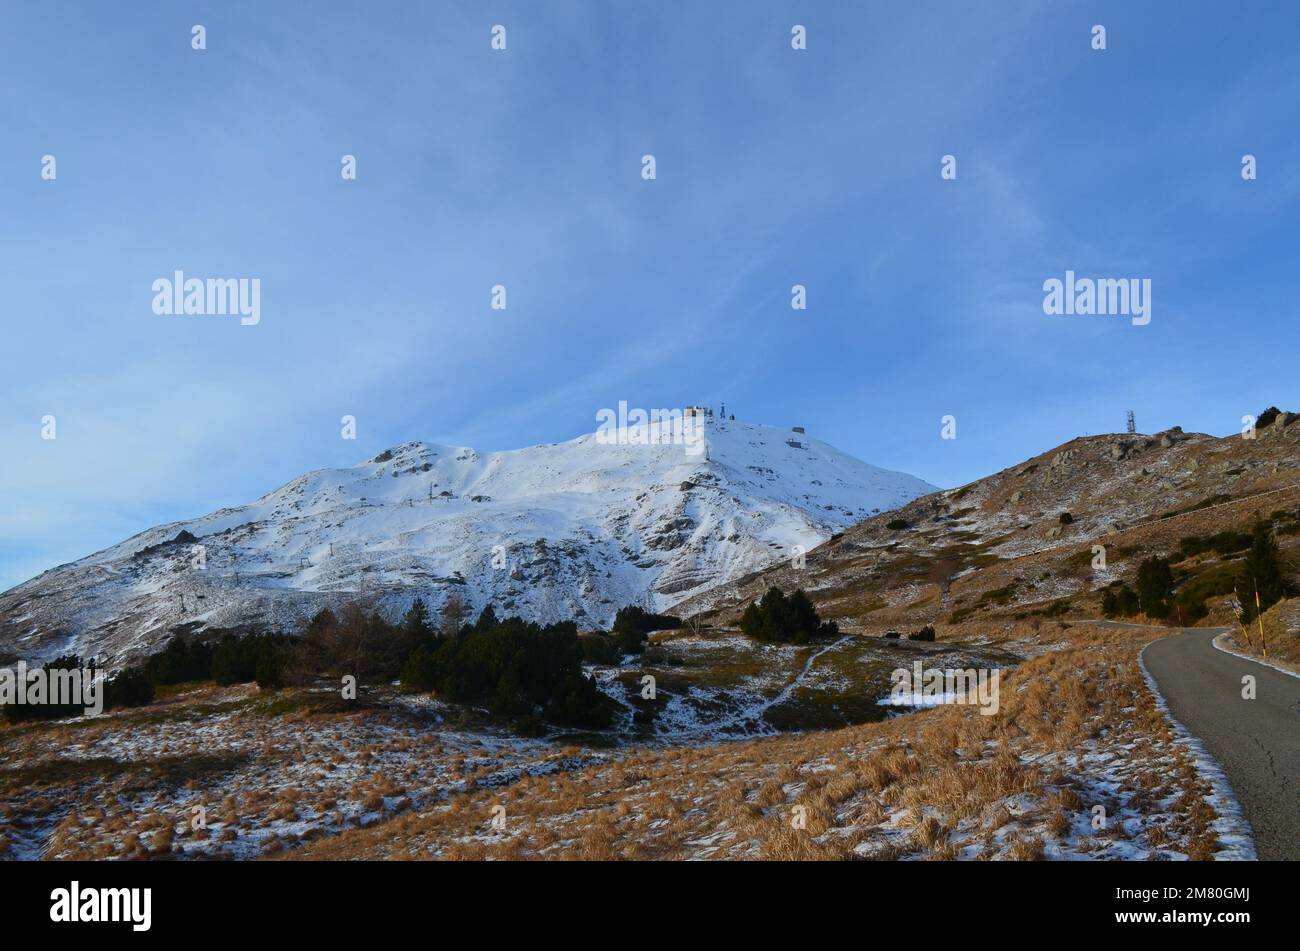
[(1078, 728), (1012, 558), (1281, 636)]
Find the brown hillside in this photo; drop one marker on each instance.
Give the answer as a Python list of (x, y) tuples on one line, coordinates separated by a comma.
[(1002, 544)]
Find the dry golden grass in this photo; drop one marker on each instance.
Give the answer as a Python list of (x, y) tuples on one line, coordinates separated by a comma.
[(937, 784), (1281, 636)]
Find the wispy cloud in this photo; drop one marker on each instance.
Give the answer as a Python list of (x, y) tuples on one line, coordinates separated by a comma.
[(776, 167)]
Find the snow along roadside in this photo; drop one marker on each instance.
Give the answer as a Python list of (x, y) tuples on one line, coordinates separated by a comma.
[(1251, 657), (1232, 828)]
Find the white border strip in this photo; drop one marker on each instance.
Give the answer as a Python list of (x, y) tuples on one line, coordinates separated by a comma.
[(1251, 657), (1232, 827)]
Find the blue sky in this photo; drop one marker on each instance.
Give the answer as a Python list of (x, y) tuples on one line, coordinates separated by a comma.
[(522, 168)]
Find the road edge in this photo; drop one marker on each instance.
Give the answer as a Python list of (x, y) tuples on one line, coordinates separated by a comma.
[(1235, 835), (1257, 660)]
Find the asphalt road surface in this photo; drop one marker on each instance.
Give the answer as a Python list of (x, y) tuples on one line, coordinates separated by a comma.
[(1257, 742)]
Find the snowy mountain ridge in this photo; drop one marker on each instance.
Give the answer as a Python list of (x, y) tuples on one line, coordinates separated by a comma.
[(564, 530)]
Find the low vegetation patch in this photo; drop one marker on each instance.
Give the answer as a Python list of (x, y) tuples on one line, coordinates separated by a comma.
[(780, 619)]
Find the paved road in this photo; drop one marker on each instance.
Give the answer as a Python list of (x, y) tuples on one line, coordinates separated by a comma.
[(1256, 741)]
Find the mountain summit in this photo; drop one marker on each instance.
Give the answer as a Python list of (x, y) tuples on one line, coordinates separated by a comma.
[(564, 530)]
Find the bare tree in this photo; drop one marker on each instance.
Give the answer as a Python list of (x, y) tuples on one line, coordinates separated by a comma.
[(941, 573), (453, 615), (352, 641)]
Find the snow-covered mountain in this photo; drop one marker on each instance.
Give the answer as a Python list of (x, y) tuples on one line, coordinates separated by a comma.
[(566, 530)]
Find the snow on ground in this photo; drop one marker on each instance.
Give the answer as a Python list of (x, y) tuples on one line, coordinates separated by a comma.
[(129, 784), (295, 772), (1224, 641), (1079, 764), (1233, 829)]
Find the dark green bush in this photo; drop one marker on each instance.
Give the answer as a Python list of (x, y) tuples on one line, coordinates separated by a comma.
[(780, 619), (1216, 581), (531, 725), (1155, 585), (415, 629), (632, 625), (1110, 603), (23, 712), (1126, 602), (269, 669), (517, 668), (237, 660), (1055, 609), (1261, 574), (420, 672), (598, 648), (180, 661), (1224, 543), (130, 688)]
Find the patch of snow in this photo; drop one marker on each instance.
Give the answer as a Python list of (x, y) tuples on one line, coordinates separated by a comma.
[(1232, 828)]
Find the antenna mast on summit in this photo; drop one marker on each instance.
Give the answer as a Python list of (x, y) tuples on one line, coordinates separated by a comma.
[(1132, 422)]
